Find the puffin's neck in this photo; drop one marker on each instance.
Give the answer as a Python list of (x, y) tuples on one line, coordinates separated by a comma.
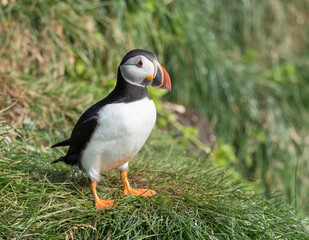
[(129, 91)]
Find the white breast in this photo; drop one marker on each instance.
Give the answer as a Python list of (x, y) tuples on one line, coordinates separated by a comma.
[(122, 131)]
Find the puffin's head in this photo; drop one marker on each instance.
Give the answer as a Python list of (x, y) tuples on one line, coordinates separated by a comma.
[(141, 68)]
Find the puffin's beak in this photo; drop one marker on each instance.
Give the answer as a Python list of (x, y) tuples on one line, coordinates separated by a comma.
[(161, 79)]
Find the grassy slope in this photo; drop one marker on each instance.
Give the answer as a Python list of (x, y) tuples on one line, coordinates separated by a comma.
[(246, 62), (196, 201), (60, 63)]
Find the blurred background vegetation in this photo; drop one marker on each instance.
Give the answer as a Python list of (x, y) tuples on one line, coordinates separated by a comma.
[(243, 64)]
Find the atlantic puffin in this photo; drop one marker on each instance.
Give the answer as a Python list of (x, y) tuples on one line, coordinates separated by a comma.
[(111, 132)]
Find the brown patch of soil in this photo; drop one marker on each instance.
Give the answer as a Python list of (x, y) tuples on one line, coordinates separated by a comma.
[(191, 117), (14, 96)]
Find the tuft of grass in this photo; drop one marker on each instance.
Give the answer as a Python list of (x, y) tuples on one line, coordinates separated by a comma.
[(195, 200)]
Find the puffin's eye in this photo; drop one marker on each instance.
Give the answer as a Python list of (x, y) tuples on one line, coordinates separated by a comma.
[(139, 63)]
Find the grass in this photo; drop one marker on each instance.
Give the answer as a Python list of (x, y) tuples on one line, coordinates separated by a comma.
[(242, 64), (195, 200), (65, 55)]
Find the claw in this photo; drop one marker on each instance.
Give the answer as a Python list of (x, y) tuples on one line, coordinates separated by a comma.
[(134, 192), (139, 192), (99, 203)]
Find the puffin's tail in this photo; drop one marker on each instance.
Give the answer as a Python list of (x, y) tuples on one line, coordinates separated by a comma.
[(65, 142), (61, 159), (70, 159)]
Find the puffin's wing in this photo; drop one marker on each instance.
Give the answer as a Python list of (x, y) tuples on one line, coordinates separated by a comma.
[(82, 133)]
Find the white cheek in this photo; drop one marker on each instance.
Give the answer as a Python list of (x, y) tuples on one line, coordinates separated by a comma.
[(136, 75), (132, 73), (148, 68)]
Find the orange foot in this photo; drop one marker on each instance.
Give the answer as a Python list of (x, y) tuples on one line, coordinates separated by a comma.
[(104, 204), (139, 192)]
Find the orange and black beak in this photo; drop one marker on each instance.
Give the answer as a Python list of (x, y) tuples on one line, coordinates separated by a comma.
[(161, 78)]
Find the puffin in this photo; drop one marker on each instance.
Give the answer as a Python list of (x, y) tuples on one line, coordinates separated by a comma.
[(111, 132)]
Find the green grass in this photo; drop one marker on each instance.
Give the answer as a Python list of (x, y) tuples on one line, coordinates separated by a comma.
[(195, 200), (65, 54), (242, 64)]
